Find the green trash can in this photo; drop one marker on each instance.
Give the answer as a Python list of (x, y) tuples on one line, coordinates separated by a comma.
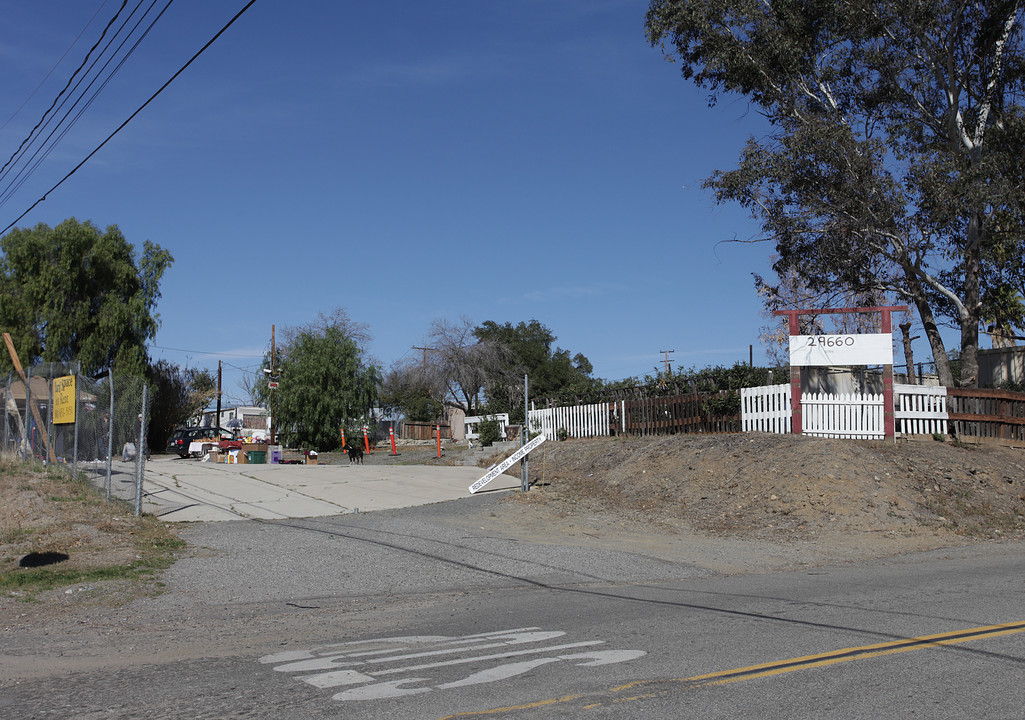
[(256, 457)]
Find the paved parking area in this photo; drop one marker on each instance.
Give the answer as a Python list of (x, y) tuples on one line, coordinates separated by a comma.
[(182, 490)]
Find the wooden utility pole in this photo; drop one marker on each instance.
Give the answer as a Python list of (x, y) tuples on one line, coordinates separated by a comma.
[(667, 374), (218, 423), (667, 353), (35, 410), (272, 433)]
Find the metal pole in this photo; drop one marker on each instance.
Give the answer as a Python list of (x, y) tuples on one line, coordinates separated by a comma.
[(524, 466), (139, 463), (110, 428), (49, 411), (74, 462)]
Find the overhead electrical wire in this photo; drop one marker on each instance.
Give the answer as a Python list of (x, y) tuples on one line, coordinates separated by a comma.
[(32, 132), (131, 117), (42, 152), (55, 66), (203, 352)]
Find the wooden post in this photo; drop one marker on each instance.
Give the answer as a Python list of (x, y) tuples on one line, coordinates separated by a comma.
[(889, 431), (35, 410)]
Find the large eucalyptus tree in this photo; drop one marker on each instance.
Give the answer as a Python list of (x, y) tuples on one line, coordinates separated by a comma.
[(894, 163)]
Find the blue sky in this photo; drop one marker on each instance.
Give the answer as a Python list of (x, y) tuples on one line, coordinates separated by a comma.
[(406, 161)]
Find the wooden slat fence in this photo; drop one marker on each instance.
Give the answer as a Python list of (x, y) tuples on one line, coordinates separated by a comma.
[(695, 413), (987, 415), (424, 431)]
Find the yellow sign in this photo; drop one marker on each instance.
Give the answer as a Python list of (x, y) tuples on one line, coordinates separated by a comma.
[(64, 399)]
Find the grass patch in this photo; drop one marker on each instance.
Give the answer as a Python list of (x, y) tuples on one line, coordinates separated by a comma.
[(45, 509)]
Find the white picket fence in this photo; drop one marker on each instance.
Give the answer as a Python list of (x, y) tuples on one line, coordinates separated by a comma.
[(844, 415), (918, 411), (766, 409), (579, 421)]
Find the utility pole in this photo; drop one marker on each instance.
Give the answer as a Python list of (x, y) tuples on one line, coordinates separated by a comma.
[(272, 434), (667, 353), (218, 423), (664, 383), (423, 370)]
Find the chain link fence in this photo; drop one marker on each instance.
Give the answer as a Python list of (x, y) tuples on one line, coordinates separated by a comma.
[(94, 426)]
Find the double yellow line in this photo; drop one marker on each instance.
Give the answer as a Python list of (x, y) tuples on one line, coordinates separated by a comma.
[(778, 667)]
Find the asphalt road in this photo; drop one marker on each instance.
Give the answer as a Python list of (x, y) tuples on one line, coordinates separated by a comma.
[(426, 613)]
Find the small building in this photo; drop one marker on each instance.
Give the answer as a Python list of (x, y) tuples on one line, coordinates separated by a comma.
[(245, 420), (1002, 366)]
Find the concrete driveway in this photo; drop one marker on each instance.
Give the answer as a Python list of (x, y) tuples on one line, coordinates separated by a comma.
[(190, 490)]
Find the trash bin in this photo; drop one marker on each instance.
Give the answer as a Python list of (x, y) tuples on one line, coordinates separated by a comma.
[(275, 455), (256, 457)]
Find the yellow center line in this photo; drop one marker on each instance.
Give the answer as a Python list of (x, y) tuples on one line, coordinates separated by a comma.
[(778, 667)]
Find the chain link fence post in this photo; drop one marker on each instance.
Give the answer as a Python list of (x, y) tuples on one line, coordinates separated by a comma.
[(140, 454), (109, 422)]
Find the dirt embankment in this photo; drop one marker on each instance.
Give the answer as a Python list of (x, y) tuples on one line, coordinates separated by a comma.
[(836, 499)]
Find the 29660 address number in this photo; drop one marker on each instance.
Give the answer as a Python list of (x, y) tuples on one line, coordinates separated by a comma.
[(830, 341)]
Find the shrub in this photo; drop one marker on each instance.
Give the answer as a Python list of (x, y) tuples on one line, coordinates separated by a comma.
[(489, 432)]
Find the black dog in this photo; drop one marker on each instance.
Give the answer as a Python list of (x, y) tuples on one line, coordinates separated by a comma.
[(355, 454)]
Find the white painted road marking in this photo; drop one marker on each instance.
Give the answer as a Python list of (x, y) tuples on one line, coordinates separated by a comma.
[(366, 663)]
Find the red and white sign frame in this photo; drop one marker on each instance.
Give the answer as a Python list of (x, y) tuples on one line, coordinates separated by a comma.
[(819, 350)]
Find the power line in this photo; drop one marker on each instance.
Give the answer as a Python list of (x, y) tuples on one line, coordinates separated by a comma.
[(55, 66), (134, 114), (66, 86), (202, 352), (35, 160)]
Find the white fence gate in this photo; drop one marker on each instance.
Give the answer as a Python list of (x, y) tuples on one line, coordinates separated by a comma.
[(766, 409), (846, 415), (579, 421), (918, 411)]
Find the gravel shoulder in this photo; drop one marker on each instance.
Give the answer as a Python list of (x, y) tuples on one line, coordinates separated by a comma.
[(729, 504)]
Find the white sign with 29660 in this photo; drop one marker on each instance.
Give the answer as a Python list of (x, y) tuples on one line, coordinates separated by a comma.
[(862, 349)]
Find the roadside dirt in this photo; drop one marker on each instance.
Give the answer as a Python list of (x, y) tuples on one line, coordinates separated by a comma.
[(729, 503), (750, 502)]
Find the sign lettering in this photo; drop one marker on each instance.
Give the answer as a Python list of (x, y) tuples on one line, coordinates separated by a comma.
[(64, 400), (506, 464), (821, 350)]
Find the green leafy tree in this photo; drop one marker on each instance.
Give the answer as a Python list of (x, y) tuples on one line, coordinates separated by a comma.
[(529, 351), (178, 394), (326, 383), (893, 161), (75, 293), (407, 389)]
